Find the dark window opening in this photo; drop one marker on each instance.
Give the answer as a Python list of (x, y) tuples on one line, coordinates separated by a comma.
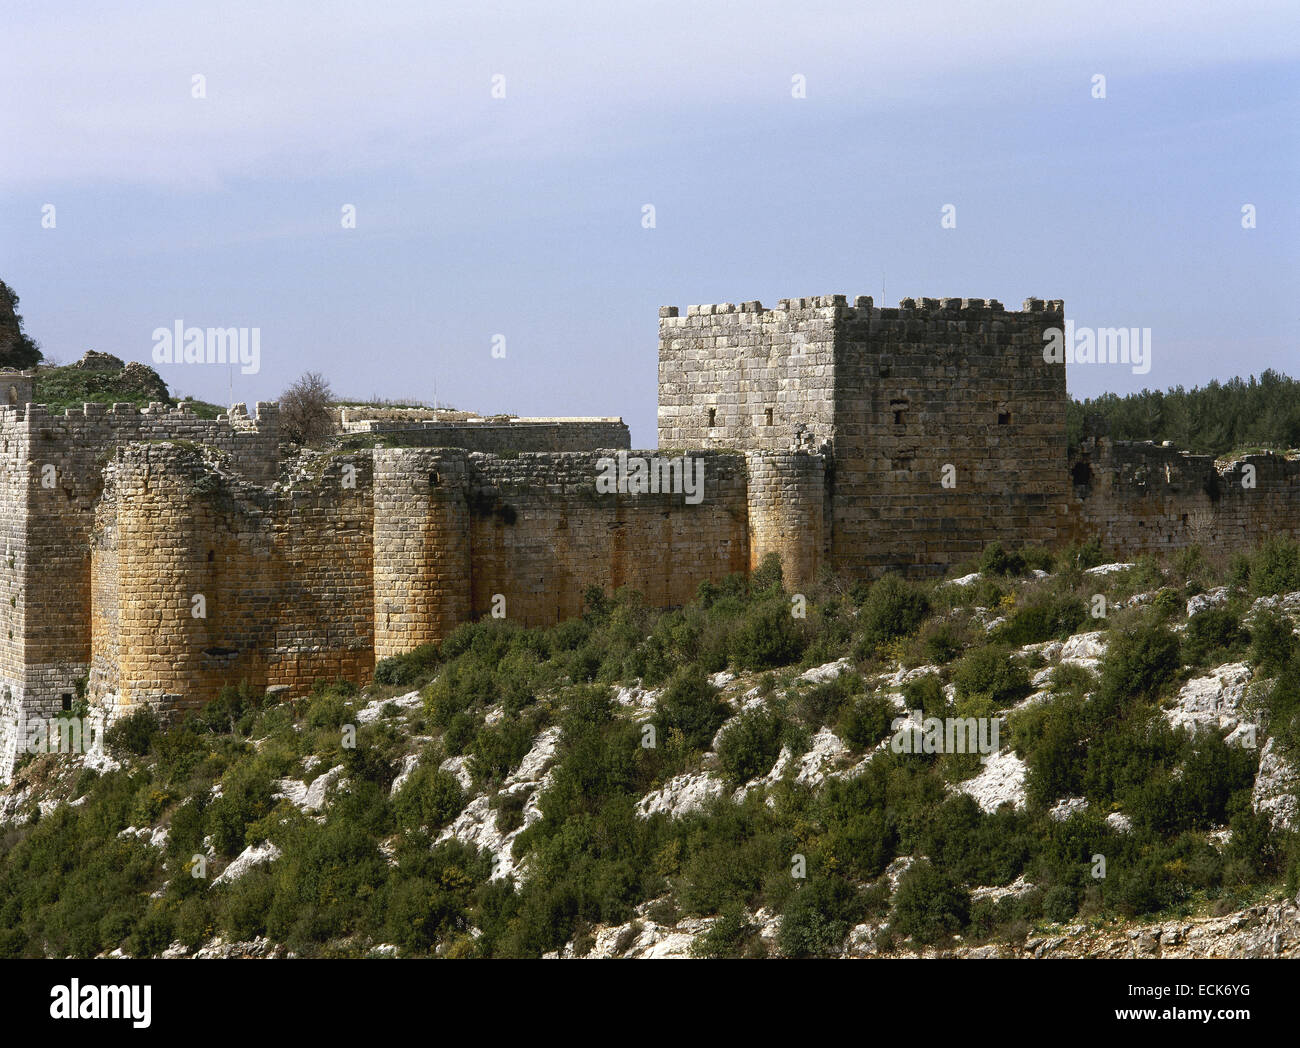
[(898, 418), (434, 479), (768, 417), (1004, 418), (899, 408), (1081, 474), (212, 555), (66, 699), (713, 417)]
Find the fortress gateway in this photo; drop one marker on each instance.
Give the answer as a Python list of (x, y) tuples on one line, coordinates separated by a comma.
[(151, 556)]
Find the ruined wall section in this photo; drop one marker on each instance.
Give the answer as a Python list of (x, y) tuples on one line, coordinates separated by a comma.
[(746, 377), (1147, 498), (576, 434), (958, 382)]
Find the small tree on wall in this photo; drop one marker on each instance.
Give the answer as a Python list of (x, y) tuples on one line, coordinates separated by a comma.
[(304, 409), (17, 350)]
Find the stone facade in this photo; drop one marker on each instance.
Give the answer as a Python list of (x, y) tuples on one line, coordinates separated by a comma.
[(151, 557), (891, 398)]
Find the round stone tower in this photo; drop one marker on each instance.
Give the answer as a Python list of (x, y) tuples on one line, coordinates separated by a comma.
[(422, 561), (786, 512), (164, 600)]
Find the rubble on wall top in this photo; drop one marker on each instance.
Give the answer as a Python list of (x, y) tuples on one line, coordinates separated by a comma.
[(1031, 305), (93, 409)]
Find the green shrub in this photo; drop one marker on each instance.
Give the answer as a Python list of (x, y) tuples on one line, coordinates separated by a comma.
[(133, 734), (991, 673), (690, 705), (942, 644), (1275, 568), (1081, 556), (1212, 636), (497, 750), (1274, 645), (429, 798), (749, 746), (866, 721), (407, 669), (727, 936), (1139, 661), (928, 904), (817, 917), (1053, 619), (893, 608), (997, 561), (769, 635)]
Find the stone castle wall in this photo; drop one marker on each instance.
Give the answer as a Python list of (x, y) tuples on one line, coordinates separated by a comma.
[(501, 437), (841, 437), (319, 580), (1146, 498), (52, 480)]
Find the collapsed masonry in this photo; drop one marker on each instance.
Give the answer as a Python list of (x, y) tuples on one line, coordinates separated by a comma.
[(152, 557)]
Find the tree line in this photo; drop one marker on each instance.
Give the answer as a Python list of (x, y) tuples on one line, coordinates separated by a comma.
[(1213, 419)]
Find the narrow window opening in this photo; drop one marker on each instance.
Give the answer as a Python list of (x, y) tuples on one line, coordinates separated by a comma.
[(898, 418), (768, 417), (1004, 418), (713, 417), (66, 698), (212, 555)]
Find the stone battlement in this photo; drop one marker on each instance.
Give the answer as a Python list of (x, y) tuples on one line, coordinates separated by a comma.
[(862, 302)]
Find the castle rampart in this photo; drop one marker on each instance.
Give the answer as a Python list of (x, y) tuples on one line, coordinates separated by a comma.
[(152, 557), (1144, 498)]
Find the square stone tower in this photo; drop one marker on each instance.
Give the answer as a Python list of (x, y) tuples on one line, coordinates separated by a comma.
[(942, 425)]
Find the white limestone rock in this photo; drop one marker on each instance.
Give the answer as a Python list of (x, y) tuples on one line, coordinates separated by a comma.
[(1000, 781), (374, 711), (459, 767), (409, 763), (1204, 601), (1275, 787), (253, 855), (1063, 809), (305, 797), (1084, 648), (1109, 569), (824, 673), (682, 795), (1015, 889), (477, 823), (1213, 701), (1119, 822)]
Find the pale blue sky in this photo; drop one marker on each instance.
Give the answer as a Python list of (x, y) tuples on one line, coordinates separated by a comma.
[(522, 216)]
